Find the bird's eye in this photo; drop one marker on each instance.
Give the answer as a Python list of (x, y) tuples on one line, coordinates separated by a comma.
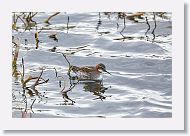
[(103, 68)]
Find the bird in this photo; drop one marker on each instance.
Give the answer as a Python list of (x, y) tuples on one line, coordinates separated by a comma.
[(89, 72)]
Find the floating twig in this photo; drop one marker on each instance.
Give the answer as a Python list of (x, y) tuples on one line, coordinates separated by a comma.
[(50, 17)]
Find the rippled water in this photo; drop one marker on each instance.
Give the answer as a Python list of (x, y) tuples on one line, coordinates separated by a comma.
[(140, 84)]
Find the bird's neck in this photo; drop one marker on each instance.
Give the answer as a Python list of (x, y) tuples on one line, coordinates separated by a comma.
[(97, 69)]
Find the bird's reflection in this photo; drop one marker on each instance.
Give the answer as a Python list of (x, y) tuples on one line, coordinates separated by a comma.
[(95, 87)]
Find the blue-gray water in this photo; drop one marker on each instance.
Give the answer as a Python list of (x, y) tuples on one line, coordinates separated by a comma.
[(140, 84)]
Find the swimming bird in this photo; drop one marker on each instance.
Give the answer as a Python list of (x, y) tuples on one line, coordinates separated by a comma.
[(89, 72)]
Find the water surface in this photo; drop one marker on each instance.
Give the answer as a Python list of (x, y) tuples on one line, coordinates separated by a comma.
[(137, 53)]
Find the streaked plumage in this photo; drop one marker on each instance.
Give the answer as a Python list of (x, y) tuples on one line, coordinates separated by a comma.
[(89, 72)]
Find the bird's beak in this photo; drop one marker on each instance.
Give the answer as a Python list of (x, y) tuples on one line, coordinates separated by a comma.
[(106, 71)]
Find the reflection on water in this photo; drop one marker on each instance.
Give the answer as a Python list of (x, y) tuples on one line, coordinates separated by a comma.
[(99, 21), (135, 48), (96, 88)]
